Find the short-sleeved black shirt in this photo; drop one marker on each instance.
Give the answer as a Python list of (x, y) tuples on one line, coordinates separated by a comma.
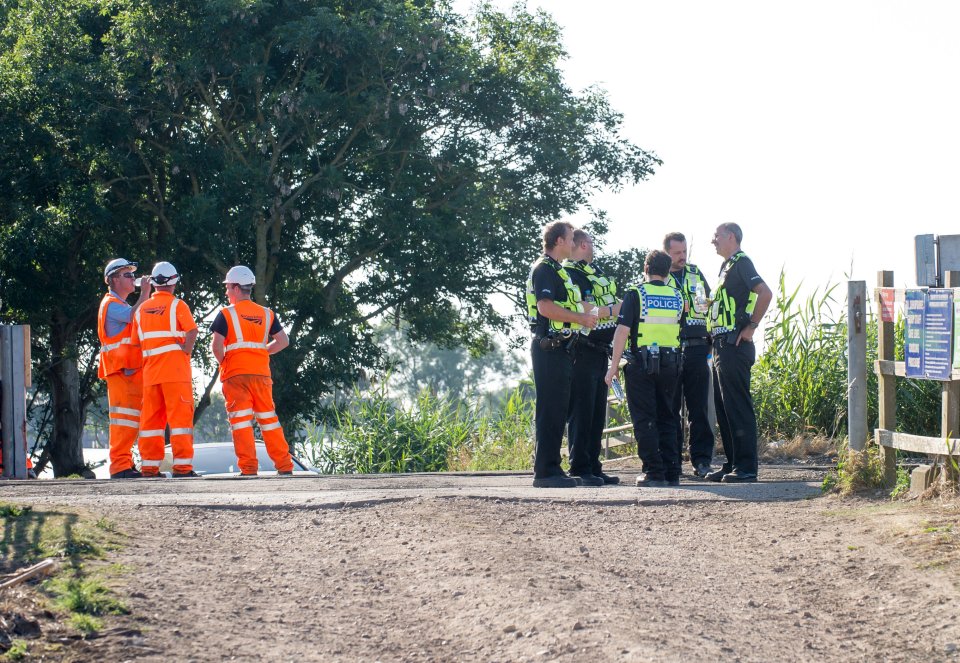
[(220, 325), (630, 313), (740, 281), (582, 281), (547, 284)]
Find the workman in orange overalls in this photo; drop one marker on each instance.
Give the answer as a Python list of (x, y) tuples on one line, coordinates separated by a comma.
[(245, 334), (165, 331), (120, 363)]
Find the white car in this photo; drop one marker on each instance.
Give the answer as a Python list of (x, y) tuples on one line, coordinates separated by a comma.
[(219, 458)]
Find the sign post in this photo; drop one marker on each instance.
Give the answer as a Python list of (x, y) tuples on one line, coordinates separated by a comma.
[(14, 380)]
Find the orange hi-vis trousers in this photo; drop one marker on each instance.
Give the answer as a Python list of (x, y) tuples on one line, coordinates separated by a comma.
[(248, 397), (125, 396), (166, 403)]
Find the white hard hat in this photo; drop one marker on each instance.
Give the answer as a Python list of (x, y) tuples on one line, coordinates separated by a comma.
[(240, 275), (114, 265), (164, 274)]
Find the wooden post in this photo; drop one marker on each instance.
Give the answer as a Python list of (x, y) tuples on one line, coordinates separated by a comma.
[(857, 364), (950, 412), (887, 383), (14, 378)]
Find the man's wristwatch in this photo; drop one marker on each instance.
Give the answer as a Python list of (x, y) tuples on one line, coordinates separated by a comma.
[(754, 325)]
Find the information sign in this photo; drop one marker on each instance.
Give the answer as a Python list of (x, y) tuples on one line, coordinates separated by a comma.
[(913, 307), (887, 305), (956, 332), (929, 333), (938, 334)]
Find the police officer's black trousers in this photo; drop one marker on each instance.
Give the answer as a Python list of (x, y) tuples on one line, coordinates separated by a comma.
[(693, 385), (552, 372), (588, 409), (650, 400), (735, 415)]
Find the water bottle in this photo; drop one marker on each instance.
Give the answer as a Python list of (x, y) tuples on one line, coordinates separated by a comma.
[(589, 307), (617, 389), (700, 299), (654, 359)]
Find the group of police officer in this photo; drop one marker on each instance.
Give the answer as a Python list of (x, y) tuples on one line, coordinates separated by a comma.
[(666, 327)]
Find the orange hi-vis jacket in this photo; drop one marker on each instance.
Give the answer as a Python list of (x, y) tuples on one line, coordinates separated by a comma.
[(245, 346), (116, 352), (160, 326)]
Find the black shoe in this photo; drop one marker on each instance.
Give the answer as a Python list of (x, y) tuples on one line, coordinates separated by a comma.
[(249, 474), (285, 473), (607, 479), (702, 470), (588, 479), (646, 480), (558, 481), (739, 477), (673, 481), (717, 475), (185, 475), (127, 474)]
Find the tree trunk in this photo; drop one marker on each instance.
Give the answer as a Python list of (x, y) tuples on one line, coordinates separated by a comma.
[(65, 445)]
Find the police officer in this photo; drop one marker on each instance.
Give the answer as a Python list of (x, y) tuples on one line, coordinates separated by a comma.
[(588, 392), (555, 313), (693, 383), (739, 303), (650, 318)]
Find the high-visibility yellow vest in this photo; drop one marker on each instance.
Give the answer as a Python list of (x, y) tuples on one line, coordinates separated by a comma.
[(572, 303), (691, 277), (659, 320), (723, 313), (604, 290)]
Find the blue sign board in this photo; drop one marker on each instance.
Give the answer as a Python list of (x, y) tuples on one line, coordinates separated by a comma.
[(913, 332), (928, 333)]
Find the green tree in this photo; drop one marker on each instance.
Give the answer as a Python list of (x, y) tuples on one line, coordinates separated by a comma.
[(367, 159)]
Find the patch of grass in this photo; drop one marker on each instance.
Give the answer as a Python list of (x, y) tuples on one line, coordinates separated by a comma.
[(86, 624), (107, 525), (902, 487), (857, 472), (852, 548), (86, 596), (17, 652)]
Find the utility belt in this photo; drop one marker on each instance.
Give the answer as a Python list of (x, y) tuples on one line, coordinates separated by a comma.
[(592, 344), (692, 342), (645, 360), (563, 339), (729, 338)]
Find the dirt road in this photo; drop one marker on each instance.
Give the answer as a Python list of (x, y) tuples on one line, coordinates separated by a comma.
[(485, 569)]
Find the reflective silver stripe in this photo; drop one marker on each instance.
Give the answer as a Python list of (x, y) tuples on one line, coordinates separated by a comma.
[(245, 345), (181, 431), (125, 422), (265, 415), (163, 349), (232, 312), (239, 413), (164, 334), (266, 326), (124, 410), (110, 346), (658, 321), (151, 433), (275, 424), (136, 316), (182, 461), (242, 424), (150, 463)]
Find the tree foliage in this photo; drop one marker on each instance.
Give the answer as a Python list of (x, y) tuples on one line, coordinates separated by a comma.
[(368, 159)]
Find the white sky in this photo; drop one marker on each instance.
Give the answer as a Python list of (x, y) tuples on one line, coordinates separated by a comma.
[(830, 131)]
